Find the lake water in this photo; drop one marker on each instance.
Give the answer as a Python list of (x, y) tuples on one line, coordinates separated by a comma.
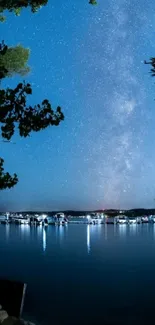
[(80, 274)]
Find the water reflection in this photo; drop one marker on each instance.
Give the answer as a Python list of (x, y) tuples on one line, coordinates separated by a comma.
[(60, 231), (133, 229), (38, 229), (106, 231), (93, 233), (153, 230), (7, 232), (118, 268), (99, 229), (44, 239), (122, 230), (88, 239), (24, 230), (147, 227)]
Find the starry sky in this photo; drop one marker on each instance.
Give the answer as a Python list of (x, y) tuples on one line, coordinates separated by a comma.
[(89, 60)]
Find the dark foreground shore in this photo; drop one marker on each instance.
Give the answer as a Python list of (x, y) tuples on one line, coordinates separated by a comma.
[(5, 319)]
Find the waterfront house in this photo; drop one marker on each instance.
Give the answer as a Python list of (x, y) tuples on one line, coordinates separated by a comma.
[(110, 220), (122, 220), (145, 219), (94, 219), (58, 219), (132, 220)]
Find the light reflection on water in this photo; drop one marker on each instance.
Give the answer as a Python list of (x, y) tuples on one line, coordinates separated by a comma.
[(7, 231), (103, 231), (44, 240), (122, 230), (24, 229), (88, 239), (92, 232), (106, 231), (115, 229), (100, 261), (133, 228), (60, 230), (153, 230)]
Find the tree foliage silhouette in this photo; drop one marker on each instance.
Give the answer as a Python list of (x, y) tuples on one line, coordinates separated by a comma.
[(3, 70), (152, 63), (16, 115), (93, 2), (14, 59), (6, 180), (16, 6)]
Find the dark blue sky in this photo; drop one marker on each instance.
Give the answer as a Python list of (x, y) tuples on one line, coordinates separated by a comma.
[(88, 60)]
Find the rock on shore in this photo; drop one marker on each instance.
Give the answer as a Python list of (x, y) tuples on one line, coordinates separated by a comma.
[(5, 319)]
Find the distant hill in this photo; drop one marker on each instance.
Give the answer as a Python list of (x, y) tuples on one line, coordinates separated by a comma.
[(132, 212), (109, 212)]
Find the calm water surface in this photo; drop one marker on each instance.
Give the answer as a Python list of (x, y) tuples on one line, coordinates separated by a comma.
[(81, 274)]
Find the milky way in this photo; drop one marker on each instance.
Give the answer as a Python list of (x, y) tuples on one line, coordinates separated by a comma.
[(92, 64), (124, 99)]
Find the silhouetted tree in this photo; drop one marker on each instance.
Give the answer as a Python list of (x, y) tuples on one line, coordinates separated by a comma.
[(16, 6), (16, 115), (13, 5), (3, 70), (152, 63), (6, 180), (14, 60), (93, 2), (2, 18)]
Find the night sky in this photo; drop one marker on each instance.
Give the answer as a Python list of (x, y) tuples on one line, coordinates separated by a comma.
[(89, 60)]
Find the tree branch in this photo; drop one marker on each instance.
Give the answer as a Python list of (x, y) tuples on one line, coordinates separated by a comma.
[(6, 180)]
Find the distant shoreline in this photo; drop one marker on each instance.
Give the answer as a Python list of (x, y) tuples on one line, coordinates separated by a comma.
[(79, 213)]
